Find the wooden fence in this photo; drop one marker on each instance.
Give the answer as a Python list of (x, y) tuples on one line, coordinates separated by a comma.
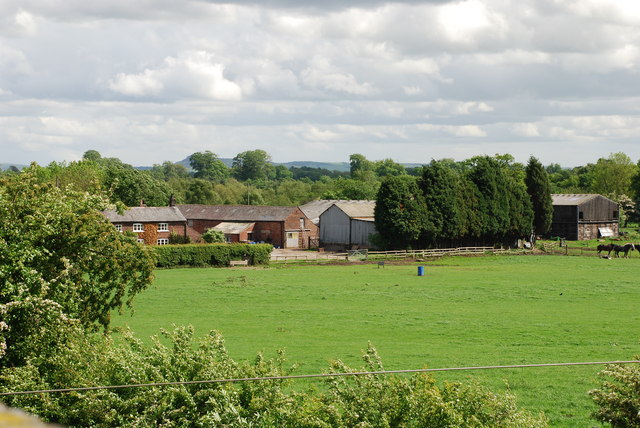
[(359, 255)]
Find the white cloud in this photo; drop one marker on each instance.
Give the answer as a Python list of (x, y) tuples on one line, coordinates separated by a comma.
[(467, 21), (526, 129), (13, 63), (322, 75), (192, 74)]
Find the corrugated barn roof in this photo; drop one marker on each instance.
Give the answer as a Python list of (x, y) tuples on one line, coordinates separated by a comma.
[(358, 209), (572, 199), (233, 228)]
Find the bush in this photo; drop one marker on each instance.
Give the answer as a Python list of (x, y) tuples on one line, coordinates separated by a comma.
[(212, 236), (168, 256), (619, 396), (362, 401), (175, 239)]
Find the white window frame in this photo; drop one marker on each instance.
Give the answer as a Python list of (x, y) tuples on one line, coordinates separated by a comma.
[(118, 227), (140, 241), (163, 241), (138, 227), (163, 227)]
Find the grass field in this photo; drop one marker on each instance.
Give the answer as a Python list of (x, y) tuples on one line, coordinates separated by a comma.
[(491, 310)]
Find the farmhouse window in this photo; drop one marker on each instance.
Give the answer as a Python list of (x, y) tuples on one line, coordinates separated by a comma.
[(163, 227), (163, 241), (140, 240), (138, 227), (118, 227)]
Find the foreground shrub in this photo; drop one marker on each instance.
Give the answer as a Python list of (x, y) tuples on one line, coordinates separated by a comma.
[(619, 396), (168, 256), (362, 401)]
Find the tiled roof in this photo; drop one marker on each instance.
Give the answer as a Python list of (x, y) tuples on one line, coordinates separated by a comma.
[(237, 213), (146, 215)]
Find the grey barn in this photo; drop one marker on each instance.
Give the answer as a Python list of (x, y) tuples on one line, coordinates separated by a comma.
[(347, 225), (580, 217)]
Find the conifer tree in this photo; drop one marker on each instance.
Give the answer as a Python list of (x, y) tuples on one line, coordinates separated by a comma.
[(539, 189)]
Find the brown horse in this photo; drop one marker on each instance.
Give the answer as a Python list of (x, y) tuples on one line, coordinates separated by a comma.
[(617, 249), (605, 247)]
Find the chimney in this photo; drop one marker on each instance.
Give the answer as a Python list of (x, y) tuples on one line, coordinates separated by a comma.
[(142, 204), (172, 200)]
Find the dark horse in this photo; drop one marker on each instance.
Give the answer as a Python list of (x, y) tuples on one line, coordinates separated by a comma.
[(617, 249), (605, 247)]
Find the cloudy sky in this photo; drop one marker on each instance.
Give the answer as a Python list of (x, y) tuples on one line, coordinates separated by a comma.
[(154, 80)]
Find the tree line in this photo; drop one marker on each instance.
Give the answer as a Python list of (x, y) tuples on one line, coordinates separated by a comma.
[(481, 201), (254, 180)]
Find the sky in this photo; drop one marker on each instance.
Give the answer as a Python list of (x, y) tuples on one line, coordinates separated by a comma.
[(149, 81)]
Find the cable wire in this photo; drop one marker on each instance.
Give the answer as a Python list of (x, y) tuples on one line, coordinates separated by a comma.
[(308, 376)]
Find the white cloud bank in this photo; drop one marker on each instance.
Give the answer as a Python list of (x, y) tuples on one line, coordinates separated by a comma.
[(411, 80)]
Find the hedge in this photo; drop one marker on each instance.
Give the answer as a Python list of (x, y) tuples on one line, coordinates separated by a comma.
[(168, 256)]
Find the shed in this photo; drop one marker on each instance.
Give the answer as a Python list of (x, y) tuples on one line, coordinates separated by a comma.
[(348, 225), (584, 216), (235, 232)]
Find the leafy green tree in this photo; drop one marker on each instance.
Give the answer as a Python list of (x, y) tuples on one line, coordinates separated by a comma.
[(61, 258), (207, 166), (401, 212), (252, 165), (92, 155), (539, 190), (388, 167), (358, 163), (84, 175), (281, 172), (202, 192), (168, 171), (348, 188), (612, 176), (131, 186)]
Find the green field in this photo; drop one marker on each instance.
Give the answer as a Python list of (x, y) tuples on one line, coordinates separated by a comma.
[(474, 311)]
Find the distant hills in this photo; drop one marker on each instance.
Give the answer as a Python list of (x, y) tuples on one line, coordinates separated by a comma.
[(331, 166)]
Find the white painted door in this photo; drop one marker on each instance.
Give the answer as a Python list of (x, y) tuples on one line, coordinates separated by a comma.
[(292, 239)]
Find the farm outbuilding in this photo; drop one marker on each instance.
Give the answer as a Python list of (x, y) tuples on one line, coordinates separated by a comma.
[(347, 225), (283, 227), (580, 217)]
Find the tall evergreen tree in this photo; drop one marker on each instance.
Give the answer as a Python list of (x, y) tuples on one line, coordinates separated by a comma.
[(487, 175), (439, 184), (400, 212), (539, 190)]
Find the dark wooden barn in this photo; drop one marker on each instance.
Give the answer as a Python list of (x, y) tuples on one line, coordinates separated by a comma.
[(584, 217)]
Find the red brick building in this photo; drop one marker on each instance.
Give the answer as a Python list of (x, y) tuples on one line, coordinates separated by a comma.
[(153, 225), (283, 227)]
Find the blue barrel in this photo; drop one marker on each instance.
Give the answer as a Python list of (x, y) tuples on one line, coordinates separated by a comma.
[(420, 270)]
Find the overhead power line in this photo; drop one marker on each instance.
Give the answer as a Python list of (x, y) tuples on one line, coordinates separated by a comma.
[(309, 376)]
